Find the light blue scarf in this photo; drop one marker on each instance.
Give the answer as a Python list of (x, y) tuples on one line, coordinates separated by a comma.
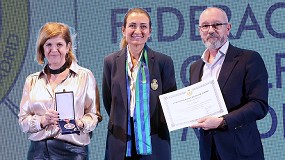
[(141, 113)]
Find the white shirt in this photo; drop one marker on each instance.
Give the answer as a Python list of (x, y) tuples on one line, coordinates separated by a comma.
[(213, 69), (132, 73)]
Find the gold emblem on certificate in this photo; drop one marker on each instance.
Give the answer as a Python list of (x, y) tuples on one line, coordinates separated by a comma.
[(154, 84), (189, 92)]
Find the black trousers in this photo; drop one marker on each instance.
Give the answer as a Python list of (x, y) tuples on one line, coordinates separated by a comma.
[(214, 153), (53, 149)]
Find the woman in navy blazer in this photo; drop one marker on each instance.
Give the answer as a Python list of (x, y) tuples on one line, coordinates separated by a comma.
[(243, 80), (117, 90)]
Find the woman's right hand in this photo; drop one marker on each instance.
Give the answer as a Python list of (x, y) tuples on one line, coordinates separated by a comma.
[(51, 117)]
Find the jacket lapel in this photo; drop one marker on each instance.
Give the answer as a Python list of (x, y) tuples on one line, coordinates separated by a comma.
[(121, 61), (230, 61), (151, 62), (197, 72)]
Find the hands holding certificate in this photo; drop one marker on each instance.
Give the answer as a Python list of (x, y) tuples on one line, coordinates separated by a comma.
[(198, 106), (208, 123)]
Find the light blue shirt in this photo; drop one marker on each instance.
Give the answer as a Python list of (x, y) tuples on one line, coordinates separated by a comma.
[(212, 70)]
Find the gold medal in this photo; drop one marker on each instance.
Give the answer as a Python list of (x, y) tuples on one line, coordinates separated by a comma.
[(154, 84), (69, 126)]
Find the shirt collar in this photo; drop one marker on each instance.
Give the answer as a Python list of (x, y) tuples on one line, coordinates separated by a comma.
[(223, 50), (129, 59)]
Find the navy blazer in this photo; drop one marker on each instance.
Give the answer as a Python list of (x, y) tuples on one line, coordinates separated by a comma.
[(243, 81), (114, 91)]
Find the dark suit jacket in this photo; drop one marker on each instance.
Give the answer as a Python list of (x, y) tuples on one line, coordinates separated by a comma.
[(114, 91), (243, 80)]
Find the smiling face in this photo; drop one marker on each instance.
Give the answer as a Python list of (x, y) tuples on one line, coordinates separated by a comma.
[(137, 29), (214, 38), (55, 50)]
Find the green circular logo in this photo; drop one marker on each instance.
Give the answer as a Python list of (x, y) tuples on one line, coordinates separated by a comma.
[(14, 34)]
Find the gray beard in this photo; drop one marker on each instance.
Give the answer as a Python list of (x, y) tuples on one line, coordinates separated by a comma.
[(215, 45)]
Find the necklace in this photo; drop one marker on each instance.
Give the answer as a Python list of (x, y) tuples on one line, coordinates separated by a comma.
[(57, 71)]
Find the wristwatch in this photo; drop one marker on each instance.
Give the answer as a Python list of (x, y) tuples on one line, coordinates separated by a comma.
[(223, 124)]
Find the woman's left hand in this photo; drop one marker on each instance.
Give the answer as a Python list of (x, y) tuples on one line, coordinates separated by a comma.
[(79, 123), (49, 118)]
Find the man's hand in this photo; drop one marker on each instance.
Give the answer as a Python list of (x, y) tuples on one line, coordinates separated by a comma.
[(208, 123)]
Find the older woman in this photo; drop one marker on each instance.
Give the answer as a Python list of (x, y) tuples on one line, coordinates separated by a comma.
[(37, 108), (133, 78)]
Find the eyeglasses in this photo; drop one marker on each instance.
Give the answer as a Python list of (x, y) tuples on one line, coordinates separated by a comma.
[(216, 26)]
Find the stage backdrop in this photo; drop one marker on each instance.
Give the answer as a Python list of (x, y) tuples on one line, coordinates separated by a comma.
[(258, 25)]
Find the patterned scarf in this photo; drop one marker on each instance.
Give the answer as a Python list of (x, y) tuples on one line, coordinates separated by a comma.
[(141, 113)]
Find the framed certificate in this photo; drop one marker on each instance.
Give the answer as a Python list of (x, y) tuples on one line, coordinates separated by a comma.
[(65, 108), (182, 108)]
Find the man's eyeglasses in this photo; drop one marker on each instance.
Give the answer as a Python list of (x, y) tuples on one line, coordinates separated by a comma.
[(216, 26)]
